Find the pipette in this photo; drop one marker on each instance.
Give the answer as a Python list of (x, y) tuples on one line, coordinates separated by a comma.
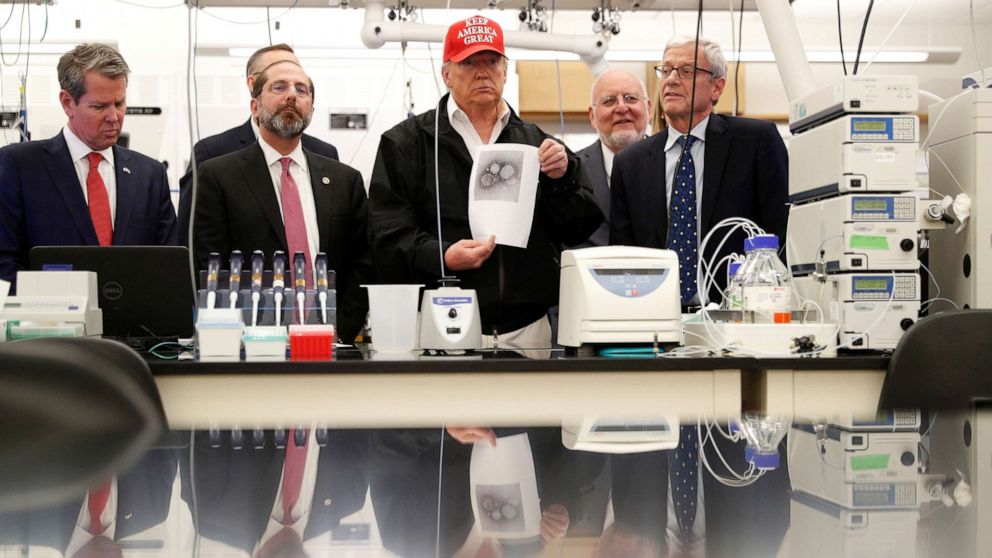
[(234, 279), (300, 283), (257, 266), (278, 282), (320, 267), (213, 270)]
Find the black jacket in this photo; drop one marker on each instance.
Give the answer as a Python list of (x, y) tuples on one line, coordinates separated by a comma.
[(516, 286)]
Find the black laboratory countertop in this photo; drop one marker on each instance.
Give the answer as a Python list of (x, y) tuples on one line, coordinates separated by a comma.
[(354, 361)]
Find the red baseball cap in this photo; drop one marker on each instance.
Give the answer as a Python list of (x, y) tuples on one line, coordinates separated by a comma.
[(472, 35)]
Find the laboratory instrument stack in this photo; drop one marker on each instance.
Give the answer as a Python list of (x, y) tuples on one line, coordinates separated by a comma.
[(854, 225), (857, 486)]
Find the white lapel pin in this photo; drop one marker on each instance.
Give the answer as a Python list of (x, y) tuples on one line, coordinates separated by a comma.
[(126, 170), (325, 180)]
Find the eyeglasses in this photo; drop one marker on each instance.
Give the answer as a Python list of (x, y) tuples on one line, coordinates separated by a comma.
[(281, 88), (685, 72), (613, 100)]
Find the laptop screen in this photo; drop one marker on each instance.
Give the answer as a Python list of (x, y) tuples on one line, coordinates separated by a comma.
[(144, 290)]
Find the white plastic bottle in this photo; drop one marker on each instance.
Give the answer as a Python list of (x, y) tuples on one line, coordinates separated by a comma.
[(766, 284)]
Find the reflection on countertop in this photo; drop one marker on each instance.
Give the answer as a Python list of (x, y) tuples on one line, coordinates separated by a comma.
[(900, 484)]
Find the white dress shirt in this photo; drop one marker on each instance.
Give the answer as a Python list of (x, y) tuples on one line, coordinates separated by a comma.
[(461, 123), (80, 533), (300, 511), (79, 152), (301, 174), (608, 155)]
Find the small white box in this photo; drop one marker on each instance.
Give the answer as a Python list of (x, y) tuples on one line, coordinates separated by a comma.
[(265, 342), (218, 332)]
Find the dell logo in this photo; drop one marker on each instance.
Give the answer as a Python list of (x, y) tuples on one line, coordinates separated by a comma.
[(112, 290)]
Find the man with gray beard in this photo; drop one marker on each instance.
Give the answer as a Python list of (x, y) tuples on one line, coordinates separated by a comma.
[(276, 195), (619, 110)]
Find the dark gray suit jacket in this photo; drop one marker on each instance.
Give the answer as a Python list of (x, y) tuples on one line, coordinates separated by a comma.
[(595, 168)]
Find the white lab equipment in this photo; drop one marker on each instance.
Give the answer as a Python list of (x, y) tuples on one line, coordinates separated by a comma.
[(872, 310), (854, 232), (876, 94), (974, 79), (855, 470), (844, 533), (449, 319), (882, 421), (619, 294), (961, 139), (860, 457), (794, 339), (612, 434), (54, 303), (854, 153)]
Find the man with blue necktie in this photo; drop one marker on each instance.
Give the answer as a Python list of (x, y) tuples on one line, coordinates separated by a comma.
[(671, 189), (668, 191)]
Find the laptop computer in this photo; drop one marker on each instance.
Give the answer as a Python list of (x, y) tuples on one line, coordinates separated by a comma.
[(144, 290)]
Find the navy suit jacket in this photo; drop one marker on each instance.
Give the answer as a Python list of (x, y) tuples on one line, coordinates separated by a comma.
[(237, 209), (595, 168), (741, 522), (745, 174), (144, 494), (223, 143), (42, 202)]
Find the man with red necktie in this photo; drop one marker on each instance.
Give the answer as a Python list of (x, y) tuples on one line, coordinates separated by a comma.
[(277, 195), (79, 187)]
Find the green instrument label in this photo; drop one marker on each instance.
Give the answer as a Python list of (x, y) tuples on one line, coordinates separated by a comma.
[(866, 242), (869, 462)]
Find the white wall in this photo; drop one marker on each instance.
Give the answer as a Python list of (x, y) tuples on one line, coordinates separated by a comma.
[(155, 44)]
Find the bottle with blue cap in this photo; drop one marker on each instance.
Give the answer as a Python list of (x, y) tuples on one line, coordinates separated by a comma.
[(732, 296), (765, 282)]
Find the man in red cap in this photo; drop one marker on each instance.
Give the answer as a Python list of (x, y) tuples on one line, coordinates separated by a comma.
[(515, 286)]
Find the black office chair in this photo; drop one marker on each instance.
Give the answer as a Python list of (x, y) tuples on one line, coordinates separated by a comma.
[(72, 411), (942, 362)]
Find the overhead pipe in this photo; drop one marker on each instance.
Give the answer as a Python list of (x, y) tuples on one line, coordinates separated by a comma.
[(376, 32), (787, 46)]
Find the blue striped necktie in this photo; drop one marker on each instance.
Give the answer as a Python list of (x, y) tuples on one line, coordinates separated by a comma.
[(683, 468), (682, 233)]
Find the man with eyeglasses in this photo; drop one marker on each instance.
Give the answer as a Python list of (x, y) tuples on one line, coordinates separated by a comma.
[(240, 136), (619, 110), (277, 195), (732, 167), (664, 196)]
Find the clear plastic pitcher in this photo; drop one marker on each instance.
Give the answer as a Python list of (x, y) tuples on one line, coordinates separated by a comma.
[(393, 317)]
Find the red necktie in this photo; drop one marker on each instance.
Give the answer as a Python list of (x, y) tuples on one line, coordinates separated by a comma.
[(98, 498), (292, 475), (292, 218), (96, 191)]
